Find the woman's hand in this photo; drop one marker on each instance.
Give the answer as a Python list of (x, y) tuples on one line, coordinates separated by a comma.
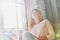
[(43, 38)]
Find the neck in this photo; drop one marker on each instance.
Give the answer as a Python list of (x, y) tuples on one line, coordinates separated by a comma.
[(38, 21)]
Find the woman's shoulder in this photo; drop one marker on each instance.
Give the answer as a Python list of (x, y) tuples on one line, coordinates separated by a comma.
[(46, 20), (43, 21)]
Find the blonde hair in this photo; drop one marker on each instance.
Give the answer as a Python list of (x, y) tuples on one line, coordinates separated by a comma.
[(32, 22), (37, 10), (39, 14)]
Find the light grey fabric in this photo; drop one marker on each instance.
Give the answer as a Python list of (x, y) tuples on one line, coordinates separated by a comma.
[(28, 36)]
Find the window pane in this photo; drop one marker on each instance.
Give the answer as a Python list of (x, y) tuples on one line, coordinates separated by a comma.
[(14, 14), (20, 1), (9, 9), (21, 15)]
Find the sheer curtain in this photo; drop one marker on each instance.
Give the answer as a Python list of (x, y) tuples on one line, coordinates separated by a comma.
[(53, 14)]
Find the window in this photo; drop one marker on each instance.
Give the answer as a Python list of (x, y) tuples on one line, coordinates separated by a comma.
[(14, 18), (14, 14)]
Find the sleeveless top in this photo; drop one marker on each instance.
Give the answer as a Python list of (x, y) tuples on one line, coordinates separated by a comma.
[(40, 29)]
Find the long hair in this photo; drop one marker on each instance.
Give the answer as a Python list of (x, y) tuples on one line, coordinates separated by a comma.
[(32, 22), (39, 14)]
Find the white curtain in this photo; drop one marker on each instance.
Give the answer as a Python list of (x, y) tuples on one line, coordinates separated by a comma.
[(53, 14)]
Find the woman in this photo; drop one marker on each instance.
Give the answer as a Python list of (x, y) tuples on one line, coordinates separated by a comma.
[(39, 27)]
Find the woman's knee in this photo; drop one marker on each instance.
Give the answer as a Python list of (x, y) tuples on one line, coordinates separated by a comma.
[(27, 35)]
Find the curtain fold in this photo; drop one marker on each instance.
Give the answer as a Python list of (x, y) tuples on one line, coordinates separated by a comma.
[(52, 13)]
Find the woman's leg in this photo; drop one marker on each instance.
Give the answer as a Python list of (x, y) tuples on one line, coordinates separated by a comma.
[(28, 36)]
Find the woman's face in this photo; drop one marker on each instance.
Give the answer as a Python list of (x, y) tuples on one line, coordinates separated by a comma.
[(36, 15)]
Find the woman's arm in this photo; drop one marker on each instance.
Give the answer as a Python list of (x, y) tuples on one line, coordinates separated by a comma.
[(51, 34), (30, 24)]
